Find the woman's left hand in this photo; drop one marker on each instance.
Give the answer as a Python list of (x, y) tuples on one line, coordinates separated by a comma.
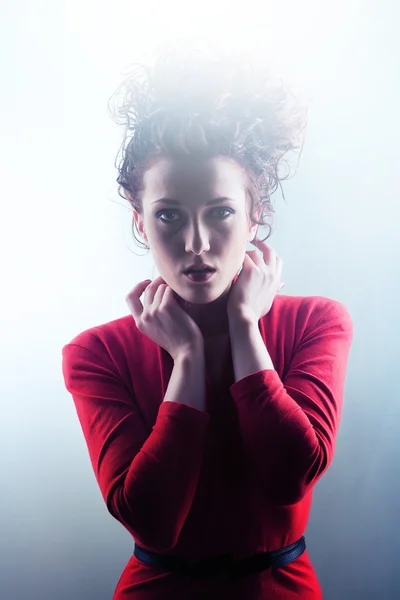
[(259, 281)]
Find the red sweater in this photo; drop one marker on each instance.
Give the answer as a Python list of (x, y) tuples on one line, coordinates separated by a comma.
[(237, 478)]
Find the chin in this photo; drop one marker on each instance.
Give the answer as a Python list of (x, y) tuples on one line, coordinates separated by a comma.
[(184, 296), (184, 299)]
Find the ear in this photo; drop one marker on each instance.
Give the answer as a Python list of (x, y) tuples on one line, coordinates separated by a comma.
[(253, 227), (253, 231), (139, 223)]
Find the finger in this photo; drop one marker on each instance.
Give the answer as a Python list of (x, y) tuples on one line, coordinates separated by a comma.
[(167, 296), (267, 251), (261, 245), (261, 261), (133, 298), (279, 266), (151, 290), (270, 256), (256, 258), (158, 297)]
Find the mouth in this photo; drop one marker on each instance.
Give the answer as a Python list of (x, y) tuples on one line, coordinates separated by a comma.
[(199, 276)]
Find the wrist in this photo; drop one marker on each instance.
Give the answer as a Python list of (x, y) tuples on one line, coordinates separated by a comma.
[(194, 351), (241, 319)]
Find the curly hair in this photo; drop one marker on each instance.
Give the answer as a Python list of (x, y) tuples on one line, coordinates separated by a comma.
[(206, 104)]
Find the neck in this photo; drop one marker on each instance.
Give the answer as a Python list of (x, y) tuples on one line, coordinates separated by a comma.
[(211, 318)]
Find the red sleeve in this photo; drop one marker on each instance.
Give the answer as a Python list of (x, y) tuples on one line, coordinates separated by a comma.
[(147, 479), (289, 428)]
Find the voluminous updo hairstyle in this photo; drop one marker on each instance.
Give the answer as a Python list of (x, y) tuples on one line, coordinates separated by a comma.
[(202, 103)]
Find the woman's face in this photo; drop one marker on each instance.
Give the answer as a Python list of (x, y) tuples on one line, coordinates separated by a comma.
[(190, 230)]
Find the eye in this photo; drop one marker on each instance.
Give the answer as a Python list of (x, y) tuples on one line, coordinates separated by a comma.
[(174, 212), (162, 212)]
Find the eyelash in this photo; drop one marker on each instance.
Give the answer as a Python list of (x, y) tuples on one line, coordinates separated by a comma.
[(171, 210)]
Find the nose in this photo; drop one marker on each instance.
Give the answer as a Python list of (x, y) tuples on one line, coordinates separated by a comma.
[(197, 239)]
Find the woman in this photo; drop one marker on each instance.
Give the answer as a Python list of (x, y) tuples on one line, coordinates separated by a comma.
[(211, 414)]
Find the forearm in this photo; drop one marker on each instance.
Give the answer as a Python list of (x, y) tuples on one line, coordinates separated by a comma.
[(148, 476), (289, 421), (187, 384), (249, 354), (165, 473)]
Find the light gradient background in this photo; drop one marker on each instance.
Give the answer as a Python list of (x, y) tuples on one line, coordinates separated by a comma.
[(67, 265)]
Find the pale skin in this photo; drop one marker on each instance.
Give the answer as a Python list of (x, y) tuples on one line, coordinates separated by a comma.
[(216, 234)]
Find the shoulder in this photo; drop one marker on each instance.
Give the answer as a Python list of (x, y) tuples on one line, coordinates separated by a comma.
[(306, 312), (110, 340), (317, 307)]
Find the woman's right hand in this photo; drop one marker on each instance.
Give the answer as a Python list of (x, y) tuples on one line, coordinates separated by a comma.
[(161, 318)]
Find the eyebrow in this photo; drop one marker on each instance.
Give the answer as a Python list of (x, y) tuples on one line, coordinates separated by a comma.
[(215, 201)]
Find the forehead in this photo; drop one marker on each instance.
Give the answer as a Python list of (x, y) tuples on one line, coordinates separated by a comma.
[(202, 178)]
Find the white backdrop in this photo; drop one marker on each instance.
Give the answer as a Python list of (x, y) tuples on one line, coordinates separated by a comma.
[(67, 265)]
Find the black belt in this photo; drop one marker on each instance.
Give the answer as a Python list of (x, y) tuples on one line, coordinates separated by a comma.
[(224, 564)]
